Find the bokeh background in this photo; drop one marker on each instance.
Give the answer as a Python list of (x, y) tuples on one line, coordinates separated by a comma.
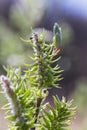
[(18, 17)]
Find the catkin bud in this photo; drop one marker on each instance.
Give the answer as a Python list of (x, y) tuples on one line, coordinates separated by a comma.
[(57, 35)]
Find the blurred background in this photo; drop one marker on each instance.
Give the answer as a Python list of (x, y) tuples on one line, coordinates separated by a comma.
[(17, 17)]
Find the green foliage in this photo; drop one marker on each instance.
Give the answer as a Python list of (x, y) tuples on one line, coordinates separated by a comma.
[(22, 102), (27, 90), (58, 118), (41, 74)]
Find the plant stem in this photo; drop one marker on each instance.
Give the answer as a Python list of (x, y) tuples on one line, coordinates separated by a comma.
[(39, 100)]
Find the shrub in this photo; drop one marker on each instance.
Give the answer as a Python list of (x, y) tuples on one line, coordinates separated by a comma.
[(27, 91)]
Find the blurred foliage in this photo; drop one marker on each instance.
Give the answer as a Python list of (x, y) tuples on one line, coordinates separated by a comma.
[(84, 124), (81, 96), (26, 14), (67, 33), (23, 15)]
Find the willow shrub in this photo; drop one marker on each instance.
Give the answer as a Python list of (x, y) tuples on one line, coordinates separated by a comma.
[(26, 91)]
